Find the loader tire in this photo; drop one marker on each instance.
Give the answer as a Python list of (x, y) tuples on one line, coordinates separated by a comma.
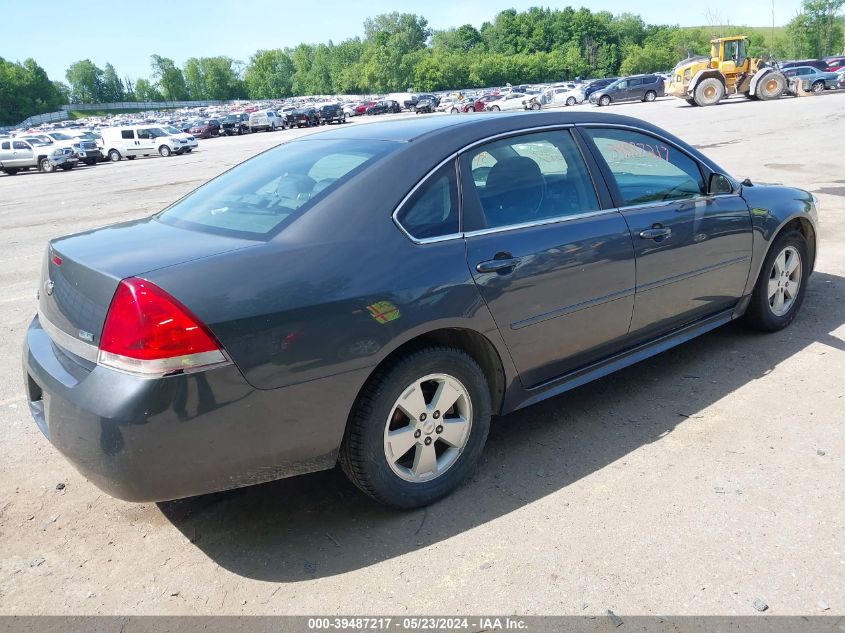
[(709, 92), (771, 87)]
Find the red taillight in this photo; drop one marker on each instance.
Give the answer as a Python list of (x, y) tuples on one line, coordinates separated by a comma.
[(57, 260), (148, 331)]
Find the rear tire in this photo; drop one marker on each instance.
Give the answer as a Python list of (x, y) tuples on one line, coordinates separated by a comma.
[(10, 171), (776, 299), (709, 92), (650, 96), (771, 87), (114, 155), (418, 465)]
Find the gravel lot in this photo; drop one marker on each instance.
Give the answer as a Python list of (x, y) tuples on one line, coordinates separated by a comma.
[(694, 483)]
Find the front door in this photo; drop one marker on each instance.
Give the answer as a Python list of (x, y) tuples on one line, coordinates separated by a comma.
[(693, 250), (555, 269), (22, 155)]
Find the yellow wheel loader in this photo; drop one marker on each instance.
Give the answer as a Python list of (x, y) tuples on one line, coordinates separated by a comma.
[(705, 81)]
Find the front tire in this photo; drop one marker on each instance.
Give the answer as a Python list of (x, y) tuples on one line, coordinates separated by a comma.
[(164, 151), (418, 428), (771, 87), (46, 166), (709, 92), (781, 284), (571, 101), (495, 108), (604, 101), (818, 87)]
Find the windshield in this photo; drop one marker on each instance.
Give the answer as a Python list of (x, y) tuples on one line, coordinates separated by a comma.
[(171, 130), (61, 137), (199, 123), (256, 198), (37, 141)]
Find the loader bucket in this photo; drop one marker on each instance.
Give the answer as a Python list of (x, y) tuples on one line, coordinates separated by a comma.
[(798, 87)]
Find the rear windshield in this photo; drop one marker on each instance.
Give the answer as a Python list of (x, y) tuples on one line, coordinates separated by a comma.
[(257, 198)]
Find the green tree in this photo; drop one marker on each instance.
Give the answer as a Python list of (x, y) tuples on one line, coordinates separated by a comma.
[(146, 91), (269, 74), (112, 87), (818, 30), (170, 80), (86, 82), (26, 90)]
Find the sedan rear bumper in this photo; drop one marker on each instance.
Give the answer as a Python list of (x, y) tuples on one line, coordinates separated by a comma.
[(143, 439)]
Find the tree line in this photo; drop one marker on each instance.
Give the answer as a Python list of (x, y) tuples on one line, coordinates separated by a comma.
[(399, 51)]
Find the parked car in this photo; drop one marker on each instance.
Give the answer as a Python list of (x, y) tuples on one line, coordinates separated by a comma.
[(362, 107), (426, 105), (450, 105), (266, 120), (332, 113), (131, 141), (813, 78), (23, 154), (835, 64), (597, 84), (634, 88), (84, 149), (190, 142), (480, 103), (205, 128), (569, 95), (235, 124), (509, 102), (818, 64), (411, 104), (383, 107), (304, 117), (349, 109), (178, 370)]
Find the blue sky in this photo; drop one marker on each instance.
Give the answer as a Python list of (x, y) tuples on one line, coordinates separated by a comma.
[(126, 34)]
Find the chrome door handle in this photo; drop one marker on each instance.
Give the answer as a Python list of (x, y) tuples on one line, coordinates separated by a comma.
[(657, 233), (498, 265)]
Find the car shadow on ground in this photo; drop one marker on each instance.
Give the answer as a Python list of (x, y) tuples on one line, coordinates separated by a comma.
[(320, 525)]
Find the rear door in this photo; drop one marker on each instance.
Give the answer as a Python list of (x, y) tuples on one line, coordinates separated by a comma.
[(693, 250), (553, 263), (129, 142)]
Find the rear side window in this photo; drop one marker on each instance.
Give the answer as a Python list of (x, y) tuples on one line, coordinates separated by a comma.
[(6, 145), (645, 168), (128, 134), (259, 197), (432, 211), (20, 145), (634, 82)]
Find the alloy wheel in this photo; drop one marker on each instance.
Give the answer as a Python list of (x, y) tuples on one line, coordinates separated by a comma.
[(784, 281), (428, 428)]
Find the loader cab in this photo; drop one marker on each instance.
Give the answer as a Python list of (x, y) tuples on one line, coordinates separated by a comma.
[(730, 54)]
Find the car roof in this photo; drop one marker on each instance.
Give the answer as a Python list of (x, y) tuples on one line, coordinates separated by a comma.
[(415, 128)]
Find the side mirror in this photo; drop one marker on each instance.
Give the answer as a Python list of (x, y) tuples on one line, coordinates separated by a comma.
[(719, 184)]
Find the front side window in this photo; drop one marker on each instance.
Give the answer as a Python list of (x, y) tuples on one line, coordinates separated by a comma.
[(433, 209), (527, 178), (647, 169), (258, 197)]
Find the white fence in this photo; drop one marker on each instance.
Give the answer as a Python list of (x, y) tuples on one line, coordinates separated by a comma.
[(139, 105), (38, 119)]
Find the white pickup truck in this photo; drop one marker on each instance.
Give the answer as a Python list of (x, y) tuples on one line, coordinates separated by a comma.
[(20, 154)]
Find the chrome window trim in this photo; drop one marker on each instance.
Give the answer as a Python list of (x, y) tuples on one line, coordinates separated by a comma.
[(666, 203), (579, 216), (527, 225), (67, 342)]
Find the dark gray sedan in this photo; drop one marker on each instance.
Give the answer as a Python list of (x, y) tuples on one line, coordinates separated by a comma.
[(372, 295)]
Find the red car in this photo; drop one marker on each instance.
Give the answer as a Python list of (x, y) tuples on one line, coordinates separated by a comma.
[(361, 108), (835, 64), (478, 104)]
